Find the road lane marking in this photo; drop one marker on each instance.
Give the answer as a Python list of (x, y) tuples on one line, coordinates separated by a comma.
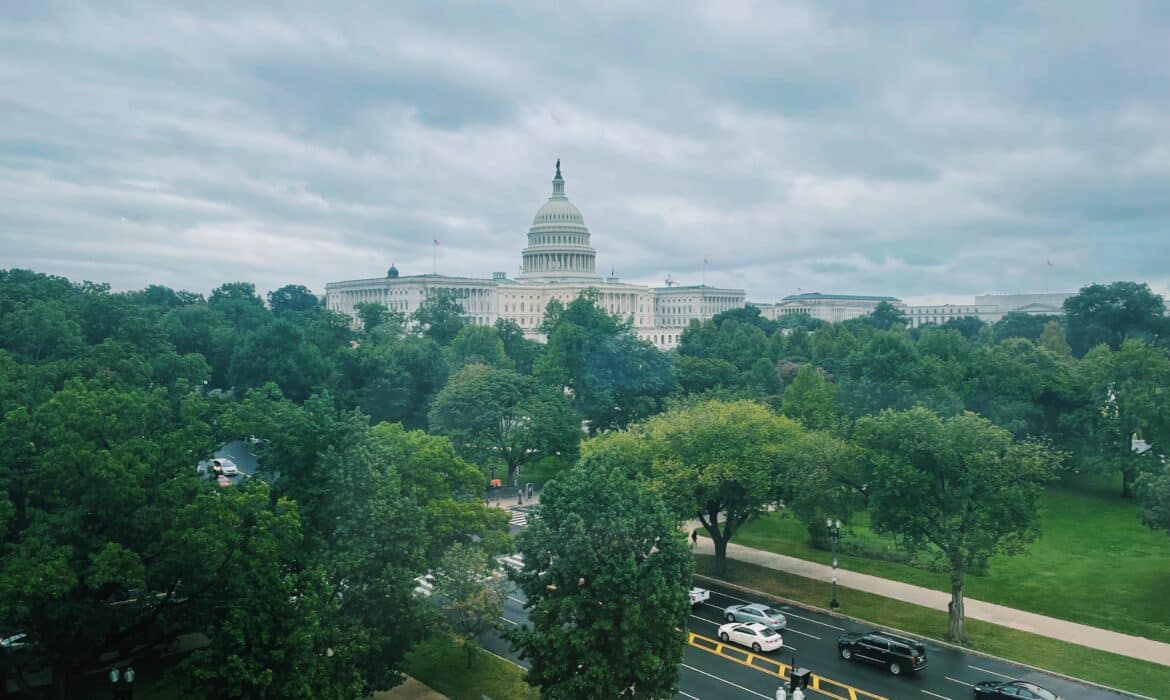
[(510, 622), (516, 599), (806, 634), (994, 673), (969, 685), (692, 697), (712, 622), (777, 669), (936, 695), (724, 680), (789, 614)]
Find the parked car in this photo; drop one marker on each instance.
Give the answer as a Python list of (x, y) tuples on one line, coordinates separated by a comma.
[(699, 595), (752, 634), (756, 612), (225, 466), (1012, 689), (898, 654)]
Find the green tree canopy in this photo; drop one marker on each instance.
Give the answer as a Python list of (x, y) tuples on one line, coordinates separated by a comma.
[(722, 463), (496, 416), (440, 317), (810, 399), (606, 573), (1112, 313), (959, 485)]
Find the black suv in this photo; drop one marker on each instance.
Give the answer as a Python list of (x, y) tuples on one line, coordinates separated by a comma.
[(898, 654)]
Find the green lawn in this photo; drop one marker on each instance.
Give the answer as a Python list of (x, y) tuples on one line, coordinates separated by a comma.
[(442, 665), (1094, 563), (1070, 659)]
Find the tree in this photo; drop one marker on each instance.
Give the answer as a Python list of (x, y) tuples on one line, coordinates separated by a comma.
[(497, 415), (238, 305), (440, 316), (1118, 395), (371, 314), (810, 399), (1052, 338), (1153, 488), (885, 316), (471, 595), (1017, 324), (278, 352), (723, 463), (1112, 313), (613, 377), (606, 573), (522, 351), (292, 298), (968, 326), (113, 544), (478, 345), (959, 486)]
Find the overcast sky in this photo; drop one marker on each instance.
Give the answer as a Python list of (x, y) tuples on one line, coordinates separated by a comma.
[(912, 149)]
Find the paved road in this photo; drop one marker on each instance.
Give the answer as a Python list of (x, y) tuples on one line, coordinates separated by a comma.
[(812, 637)]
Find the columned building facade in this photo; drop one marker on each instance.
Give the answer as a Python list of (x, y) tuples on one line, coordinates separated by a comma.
[(559, 263)]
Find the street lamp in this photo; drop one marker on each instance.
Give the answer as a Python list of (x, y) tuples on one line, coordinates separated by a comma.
[(834, 535)]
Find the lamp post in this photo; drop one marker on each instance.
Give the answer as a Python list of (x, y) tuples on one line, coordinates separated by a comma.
[(834, 535)]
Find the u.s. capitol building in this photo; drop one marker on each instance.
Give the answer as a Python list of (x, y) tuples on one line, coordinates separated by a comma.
[(558, 263)]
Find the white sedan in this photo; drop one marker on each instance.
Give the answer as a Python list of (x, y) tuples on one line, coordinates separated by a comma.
[(751, 634), (226, 466)]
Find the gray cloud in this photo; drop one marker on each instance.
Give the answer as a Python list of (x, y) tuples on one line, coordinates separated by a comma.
[(925, 151)]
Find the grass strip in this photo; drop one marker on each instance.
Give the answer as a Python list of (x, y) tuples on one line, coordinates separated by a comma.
[(441, 663), (1073, 660)]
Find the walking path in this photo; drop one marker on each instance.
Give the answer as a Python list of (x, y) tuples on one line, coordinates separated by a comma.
[(1105, 640)]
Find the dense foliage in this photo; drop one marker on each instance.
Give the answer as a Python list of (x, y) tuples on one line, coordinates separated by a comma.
[(301, 578)]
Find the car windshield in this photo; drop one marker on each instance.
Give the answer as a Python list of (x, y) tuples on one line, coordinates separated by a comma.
[(768, 632)]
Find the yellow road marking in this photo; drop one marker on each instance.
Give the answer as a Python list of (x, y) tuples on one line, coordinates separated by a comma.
[(825, 686)]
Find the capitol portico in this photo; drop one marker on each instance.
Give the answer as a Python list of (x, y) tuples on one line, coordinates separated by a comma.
[(560, 263)]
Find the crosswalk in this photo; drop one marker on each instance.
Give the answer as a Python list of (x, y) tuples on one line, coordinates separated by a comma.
[(519, 518), (515, 561), (425, 584)]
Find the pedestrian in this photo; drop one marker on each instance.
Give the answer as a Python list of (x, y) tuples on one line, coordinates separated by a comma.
[(695, 537)]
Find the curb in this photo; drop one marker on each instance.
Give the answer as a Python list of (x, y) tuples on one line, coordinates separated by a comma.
[(940, 642)]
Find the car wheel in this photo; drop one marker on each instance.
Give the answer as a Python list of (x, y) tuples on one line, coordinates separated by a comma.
[(895, 668), (724, 636), (730, 617), (755, 647), (846, 653)]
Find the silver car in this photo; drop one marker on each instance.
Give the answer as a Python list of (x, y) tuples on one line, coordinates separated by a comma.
[(756, 612)]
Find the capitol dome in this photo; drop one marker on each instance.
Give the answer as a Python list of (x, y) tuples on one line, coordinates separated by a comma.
[(558, 240), (558, 211)]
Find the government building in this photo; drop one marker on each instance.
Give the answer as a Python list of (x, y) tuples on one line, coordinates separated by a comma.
[(559, 262)]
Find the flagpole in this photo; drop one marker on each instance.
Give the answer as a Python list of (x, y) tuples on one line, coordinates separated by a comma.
[(435, 258), (704, 272)]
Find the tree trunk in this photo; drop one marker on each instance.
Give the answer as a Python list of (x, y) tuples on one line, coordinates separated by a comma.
[(1127, 477), (720, 554), (470, 654), (957, 631)]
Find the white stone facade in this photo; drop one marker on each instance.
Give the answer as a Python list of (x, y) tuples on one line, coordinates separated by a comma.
[(989, 308), (558, 263), (832, 308)]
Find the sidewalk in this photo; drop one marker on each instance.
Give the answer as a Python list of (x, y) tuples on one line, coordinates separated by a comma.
[(1075, 633)]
